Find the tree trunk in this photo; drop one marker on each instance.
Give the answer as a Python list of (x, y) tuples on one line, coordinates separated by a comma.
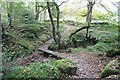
[(0, 29), (85, 27), (119, 25), (58, 31), (36, 10), (89, 15), (10, 14), (52, 22)]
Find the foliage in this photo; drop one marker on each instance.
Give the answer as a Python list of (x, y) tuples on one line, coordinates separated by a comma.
[(101, 47), (113, 52), (13, 54), (105, 33), (81, 14), (63, 63), (28, 17), (98, 15), (109, 71), (23, 39), (50, 69), (35, 70), (53, 46), (77, 49), (27, 44)]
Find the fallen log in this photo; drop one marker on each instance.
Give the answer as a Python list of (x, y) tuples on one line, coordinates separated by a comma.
[(49, 52)]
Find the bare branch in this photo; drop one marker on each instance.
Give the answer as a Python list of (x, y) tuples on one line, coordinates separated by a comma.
[(63, 2), (105, 8), (114, 4), (42, 9)]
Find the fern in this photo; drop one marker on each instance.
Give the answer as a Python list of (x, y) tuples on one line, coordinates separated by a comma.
[(26, 43)]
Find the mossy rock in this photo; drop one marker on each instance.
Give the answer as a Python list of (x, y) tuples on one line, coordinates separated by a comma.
[(65, 65), (113, 53), (107, 71)]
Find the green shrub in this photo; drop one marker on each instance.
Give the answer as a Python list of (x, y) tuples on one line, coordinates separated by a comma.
[(113, 52), (35, 70), (101, 47), (9, 54), (53, 46), (27, 44)]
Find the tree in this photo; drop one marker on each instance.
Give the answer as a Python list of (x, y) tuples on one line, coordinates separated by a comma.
[(88, 18), (56, 33), (39, 8), (89, 13), (10, 13), (0, 23), (52, 22)]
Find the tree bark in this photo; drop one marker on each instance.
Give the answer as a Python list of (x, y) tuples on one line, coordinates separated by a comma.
[(58, 31), (52, 22), (10, 14), (36, 10), (77, 31), (89, 15), (0, 22), (119, 25)]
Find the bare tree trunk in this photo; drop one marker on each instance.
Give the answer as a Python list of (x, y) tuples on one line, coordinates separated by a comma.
[(89, 15), (58, 31), (52, 22), (36, 10), (119, 25), (10, 14), (0, 30)]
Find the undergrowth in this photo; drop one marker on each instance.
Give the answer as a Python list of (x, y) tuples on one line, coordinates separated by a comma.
[(50, 69), (107, 37)]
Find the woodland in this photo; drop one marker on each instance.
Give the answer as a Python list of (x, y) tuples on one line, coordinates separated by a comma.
[(59, 39)]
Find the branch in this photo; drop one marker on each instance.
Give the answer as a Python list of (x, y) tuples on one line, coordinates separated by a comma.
[(42, 9), (105, 8), (62, 3), (114, 4), (78, 31), (54, 15)]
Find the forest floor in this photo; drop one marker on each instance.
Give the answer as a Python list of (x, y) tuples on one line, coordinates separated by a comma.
[(89, 65)]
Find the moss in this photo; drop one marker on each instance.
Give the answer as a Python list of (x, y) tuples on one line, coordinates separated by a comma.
[(64, 65), (108, 70), (113, 53)]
